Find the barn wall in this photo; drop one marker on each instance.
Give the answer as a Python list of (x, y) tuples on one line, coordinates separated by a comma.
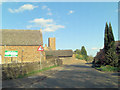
[(30, 53)]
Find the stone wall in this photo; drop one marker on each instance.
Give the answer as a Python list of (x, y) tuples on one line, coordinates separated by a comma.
[(25, 54), (13, 70)]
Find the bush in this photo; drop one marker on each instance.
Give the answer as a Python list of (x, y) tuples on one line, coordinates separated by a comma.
[(109, 68), (90, 59), (79, 56)]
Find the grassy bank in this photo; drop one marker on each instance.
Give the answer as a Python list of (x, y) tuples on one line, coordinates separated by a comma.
[(38, 71), (108, 68)]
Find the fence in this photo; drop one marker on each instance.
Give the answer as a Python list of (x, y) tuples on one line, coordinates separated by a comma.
[(14, 70)]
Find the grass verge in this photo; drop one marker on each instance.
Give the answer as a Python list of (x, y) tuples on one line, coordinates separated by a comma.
[(34, 72), (108, 68)]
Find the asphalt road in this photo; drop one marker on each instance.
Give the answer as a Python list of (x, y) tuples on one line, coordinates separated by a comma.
[(77, 75)]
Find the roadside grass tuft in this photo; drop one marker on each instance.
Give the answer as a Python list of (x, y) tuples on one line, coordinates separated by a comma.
[(108, 68), (34, 72)]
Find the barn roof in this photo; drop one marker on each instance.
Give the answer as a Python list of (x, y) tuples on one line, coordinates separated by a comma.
[(13, 37), (59, 53), (117, 43), (101, 52)]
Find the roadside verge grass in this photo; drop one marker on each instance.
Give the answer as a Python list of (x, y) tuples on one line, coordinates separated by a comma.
[(34, 72), (108, 68)]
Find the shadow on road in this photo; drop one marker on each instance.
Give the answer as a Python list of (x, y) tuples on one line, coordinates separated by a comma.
[(73, 76), (79, 66)]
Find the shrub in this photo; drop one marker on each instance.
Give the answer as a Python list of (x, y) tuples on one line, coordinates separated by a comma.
[(90, 58), (79, 56), (109, 68)]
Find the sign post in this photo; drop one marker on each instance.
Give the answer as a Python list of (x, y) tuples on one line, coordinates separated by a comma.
[(40, 49), (11, 53)]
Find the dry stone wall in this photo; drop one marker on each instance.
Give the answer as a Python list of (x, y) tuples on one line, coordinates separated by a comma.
[(25, 54), (13, 70)]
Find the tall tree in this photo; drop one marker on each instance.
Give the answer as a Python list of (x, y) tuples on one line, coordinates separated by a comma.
[(84, 52), (111, 37), (106, 38), (111, 57)]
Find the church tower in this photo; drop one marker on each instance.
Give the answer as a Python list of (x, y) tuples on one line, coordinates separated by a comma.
[(52, 43)]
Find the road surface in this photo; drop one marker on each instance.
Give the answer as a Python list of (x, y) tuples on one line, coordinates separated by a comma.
[(77, 75)]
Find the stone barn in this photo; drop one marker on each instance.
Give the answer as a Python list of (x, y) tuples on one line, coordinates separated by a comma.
[(26, 42), (59, 53)]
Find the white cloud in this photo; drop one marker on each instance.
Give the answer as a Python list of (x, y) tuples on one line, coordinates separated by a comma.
[(44, 7), (41, 21), (70, 12), (95, 48), (48, 25), (22, 8), (49, 13), (48, 10)]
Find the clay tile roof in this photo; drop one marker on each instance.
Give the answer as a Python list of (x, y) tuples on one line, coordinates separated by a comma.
[(21, 37), (60, 53)]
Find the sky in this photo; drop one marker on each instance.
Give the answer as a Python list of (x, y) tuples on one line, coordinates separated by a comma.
[(74, 24)]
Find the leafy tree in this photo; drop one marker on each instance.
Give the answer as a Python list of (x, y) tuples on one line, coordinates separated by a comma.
[(77, 51), (84, 52), (111, 57)]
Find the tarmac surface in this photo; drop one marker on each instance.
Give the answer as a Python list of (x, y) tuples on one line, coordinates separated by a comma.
[(77, 75)]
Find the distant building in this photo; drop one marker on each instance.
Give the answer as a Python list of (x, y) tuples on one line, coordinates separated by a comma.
[(118, 47), (51, 51), (59, 53), (26, 42), (52, 43)]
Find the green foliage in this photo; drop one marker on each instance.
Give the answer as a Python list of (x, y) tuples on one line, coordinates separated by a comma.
[(111, 57), (34, 72), (107, 56), (109, 68), (77, 51), (90, 58), (81, 54), (110, 34), (106, 37), (83, 51), (78, 56)]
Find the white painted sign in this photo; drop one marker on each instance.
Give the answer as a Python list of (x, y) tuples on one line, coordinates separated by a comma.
[(11, 53)]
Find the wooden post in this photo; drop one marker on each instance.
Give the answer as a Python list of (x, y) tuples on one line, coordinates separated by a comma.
[(40, 59), (4, 54), (22, 56), (11, 59)]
